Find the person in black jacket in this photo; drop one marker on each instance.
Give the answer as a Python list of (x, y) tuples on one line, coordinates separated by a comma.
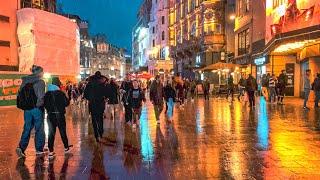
[(113, 100), (97, 94), (126, 86), (170, 96), (55, 102)]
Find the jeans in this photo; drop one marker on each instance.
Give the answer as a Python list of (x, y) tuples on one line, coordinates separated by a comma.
[(157, 110), (316, 102), (306, 97), (33, 119), (170, 105), (97, 123), (54, 121)]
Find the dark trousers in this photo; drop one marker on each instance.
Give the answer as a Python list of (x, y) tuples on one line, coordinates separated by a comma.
[(251, 98), (230, 92), (128, 113), (54, 121), (281, 91), (206, 95), (97, 123)]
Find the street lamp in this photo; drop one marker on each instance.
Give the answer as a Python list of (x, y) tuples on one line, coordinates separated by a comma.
[(232, 17)]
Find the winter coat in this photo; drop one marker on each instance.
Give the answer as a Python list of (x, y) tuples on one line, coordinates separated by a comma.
[(114, 93), (156, 93), (135, 98), (251, 84), (38, 86), (55, 101), (96, 93), (282, 81), (169, 92)]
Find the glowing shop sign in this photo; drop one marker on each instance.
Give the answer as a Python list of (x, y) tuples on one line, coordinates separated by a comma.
[(260, 61)]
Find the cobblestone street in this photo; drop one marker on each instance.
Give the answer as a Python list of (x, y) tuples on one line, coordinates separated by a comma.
[(207, 140)]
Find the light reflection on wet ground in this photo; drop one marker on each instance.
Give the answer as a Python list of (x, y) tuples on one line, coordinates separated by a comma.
[(215, 139)]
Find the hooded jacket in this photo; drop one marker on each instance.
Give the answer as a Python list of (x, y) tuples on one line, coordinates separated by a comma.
[(55, 101), (38, 86)]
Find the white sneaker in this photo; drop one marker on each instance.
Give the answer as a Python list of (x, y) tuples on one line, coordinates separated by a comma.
[(51, 155), (134, 126), (39, 153)]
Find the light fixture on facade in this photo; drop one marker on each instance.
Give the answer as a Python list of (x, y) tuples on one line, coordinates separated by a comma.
[(232, 17), (292, 46)]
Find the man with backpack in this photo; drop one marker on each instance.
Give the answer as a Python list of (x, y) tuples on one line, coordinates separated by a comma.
[(31, 99)]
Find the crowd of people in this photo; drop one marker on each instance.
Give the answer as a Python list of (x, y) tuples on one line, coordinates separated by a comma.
[(98, 91)]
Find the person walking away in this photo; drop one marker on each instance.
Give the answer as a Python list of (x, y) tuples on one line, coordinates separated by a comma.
[(251, 87), (156, 97), (206, 89), (265, 84), (113, 100), (180, 92), (282, 83), (136, 97), (31, 99), (230, 85), (306, 88), (316, 88), (125, 88), (193, 87), (96, 93), (241, 84), (170, 96), (272, 89), (55, 102)]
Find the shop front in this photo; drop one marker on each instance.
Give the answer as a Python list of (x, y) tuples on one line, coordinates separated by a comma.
[(261, 69)]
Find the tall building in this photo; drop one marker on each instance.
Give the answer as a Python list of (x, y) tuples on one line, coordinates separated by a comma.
[(158, 51), (140, 38), (8, 36), (196, 34)]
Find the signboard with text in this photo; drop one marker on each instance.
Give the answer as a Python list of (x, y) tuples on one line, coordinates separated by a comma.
[(9, 87)]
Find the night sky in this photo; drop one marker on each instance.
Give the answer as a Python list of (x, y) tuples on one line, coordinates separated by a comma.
[(114, 18)]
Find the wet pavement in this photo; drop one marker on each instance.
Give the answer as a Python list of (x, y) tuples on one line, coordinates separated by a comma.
[(207, 140)]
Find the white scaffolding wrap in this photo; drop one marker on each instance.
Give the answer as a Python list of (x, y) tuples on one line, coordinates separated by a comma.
[(48, 40)]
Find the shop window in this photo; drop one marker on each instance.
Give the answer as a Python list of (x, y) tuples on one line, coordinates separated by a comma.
[(243, 42)]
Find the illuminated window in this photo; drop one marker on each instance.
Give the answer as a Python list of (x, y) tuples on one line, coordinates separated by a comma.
[(243, 7), (243, 42), (277, 3)]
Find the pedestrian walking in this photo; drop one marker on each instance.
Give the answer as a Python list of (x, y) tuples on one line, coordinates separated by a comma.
[(170, 96), (206, 89), (113, 100), (186, 87), (282, 83), (193, 87), (55, 102), (31, 99), (265, 85), (125, 88), (272, 89), (307, 88), (316, 88), (156, 97), (180, 91), (136, 97), (97, 93), (251, 87), (241, 85), (230, 86)]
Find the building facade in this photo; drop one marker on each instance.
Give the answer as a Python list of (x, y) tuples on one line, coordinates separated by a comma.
[(196, 34), (159, 49)]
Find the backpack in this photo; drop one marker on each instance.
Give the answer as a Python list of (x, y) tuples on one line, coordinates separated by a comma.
[(27, 98)]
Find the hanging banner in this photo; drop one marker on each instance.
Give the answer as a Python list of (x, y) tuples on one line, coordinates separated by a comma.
[(9, 87)]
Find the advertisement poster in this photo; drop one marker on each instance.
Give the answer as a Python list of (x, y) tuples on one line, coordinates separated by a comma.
[(290, 74), (9, 86), (288, 15)]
